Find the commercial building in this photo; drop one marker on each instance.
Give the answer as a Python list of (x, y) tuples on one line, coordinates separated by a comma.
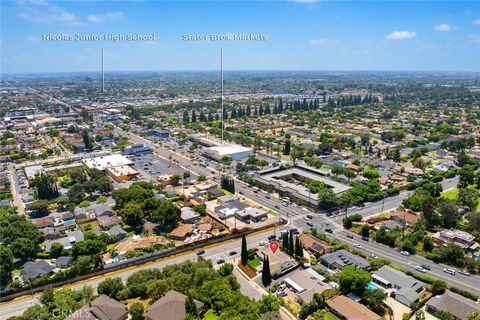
[(137, 149), (122, 173), (406, 289), (104, 162), (292, 182), (232, 151)]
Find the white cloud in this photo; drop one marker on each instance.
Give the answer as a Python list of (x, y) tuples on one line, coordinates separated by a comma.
[(320, 42), (43, 11), (476, 21), (442, 27), (400, 35), (97, 18)]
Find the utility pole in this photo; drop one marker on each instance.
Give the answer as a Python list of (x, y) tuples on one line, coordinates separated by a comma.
[(103, 71), (221, 75)]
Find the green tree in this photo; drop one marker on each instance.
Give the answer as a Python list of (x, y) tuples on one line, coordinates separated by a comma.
[(87, 140), (111, 287), (157, 288), (45, 185), (56, 250), (353, 280), (365, 231), (244, 254), (374, 300), (6, 265), (438, 287), (76, 193), (286, 149), (444, 315), (136, 311), (268, 303), (190, 306), (266, 276), (298, 248), (132, 215)]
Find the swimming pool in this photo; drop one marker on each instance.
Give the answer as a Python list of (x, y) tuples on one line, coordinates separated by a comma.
[(371, 285)]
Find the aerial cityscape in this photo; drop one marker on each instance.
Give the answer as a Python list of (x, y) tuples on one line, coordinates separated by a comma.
[(264, 160)]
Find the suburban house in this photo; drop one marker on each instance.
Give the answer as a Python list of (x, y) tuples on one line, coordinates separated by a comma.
[(188, 215), (342, 258), (181, 232), (312, 244), (405, 289), (35, 269), (348, 309), (454, 303), (406, 219), (305, 283), (103, 307), (107, 221), (170, 307), (460, 238)]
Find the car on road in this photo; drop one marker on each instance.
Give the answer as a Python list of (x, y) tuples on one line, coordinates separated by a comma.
[(294, 231), (350, 236), (232, 253), (329, 230), (277, 207), (200, 252), (267, 196), (464, 272), (263, 243), (425, 266), (241, 192), (309, 216), (365, 238), (405, 253), (420, 269), (358, 245), (310, 224), (449, 271), (220, 261), (373, 256)]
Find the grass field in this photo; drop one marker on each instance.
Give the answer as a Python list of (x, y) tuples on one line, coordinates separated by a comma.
[(254, 263)]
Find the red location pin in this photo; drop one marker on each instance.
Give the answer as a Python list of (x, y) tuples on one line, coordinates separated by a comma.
[(274, 246)]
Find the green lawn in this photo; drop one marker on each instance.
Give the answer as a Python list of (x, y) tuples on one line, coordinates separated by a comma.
[(210, 315), (450, 194), (330, 316), (326, 167), (254, 263)]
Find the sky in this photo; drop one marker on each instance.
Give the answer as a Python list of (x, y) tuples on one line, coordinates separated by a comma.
[(295, 35)]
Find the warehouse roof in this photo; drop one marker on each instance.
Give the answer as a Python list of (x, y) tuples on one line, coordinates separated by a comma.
[(102, 163), (228, 149)]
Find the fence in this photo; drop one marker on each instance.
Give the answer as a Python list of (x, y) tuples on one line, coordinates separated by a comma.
[(135, 261)]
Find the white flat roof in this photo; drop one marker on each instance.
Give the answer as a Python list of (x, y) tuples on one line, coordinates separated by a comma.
[(228, 149), (102, 163)]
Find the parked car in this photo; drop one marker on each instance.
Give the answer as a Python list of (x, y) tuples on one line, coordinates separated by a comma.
[(449, 271), (310, 224), (421, 269), (405, 253), (309, 216), (281, 293), (329, 230), (232, 253), (263, 243), (220, 261), (241, 192)]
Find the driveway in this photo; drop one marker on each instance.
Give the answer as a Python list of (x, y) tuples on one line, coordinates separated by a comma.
[(398, 308)]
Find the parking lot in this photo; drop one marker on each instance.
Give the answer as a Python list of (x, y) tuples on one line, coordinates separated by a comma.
[(151, 166)]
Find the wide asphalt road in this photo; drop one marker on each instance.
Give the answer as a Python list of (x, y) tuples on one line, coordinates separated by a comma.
[(212, 252)]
